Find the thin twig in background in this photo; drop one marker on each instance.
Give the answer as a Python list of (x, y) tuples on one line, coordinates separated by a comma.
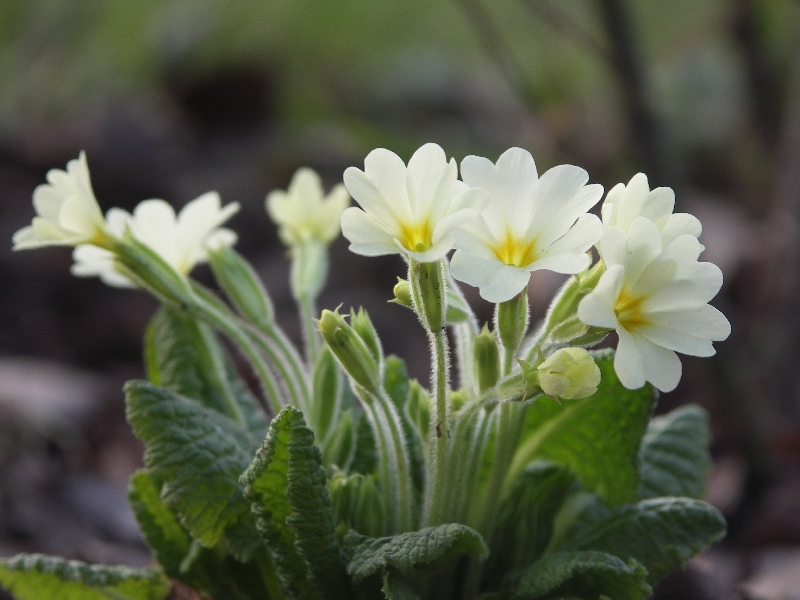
[(645, 125), (763, 88), (498, 50), (565, 24)]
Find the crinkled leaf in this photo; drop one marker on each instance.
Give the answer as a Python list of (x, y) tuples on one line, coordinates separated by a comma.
[(396, 586), (427, 548), (287, 487), (661, 533), (197, 452), (36, 577), (162, 531), (525, 517), (185, 357), (588, 575), (597, 437), (674, 454)]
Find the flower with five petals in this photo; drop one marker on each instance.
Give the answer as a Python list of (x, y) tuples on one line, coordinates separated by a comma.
[(657, 301), (409, 210), (68, 213), (180, 241), (531, 223)]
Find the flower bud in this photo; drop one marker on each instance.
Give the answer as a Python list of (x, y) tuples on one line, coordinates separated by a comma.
[(569, 373), (402, 293), (362, 324), (351, 350), (487, 359)]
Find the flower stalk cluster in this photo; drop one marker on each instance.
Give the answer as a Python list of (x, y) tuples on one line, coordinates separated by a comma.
[(397, 457)]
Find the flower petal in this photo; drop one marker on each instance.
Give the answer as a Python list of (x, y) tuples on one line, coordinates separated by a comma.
[(662, 367), (677, 341), (430, 181), (597, 308), (705, 322), (680, 224), (628, 362), (366, 236)]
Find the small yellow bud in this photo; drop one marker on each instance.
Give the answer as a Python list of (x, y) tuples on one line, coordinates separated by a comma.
[(569, 373)]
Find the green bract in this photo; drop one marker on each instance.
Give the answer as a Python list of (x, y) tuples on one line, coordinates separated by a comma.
[(335, 475)]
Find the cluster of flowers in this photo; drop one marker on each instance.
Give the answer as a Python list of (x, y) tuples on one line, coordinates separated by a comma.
[(503, 220)]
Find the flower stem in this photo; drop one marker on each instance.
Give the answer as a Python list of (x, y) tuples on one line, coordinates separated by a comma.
[(436, 494)]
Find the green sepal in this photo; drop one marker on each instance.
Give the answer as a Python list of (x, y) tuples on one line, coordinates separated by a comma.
[(587, 575), (241, 285), (36, 577), (674, 455), (309, 269), (199, 461), (286, 485), (511, 321), (429, 293), (340, 445), (328, 389), (428, 548), (486, 359), (597, 437), (660, 533)]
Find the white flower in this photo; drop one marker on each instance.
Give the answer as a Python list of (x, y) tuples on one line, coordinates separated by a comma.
[(623, 205), (181, 242), (531, 223), (303, 212), (657, 302), (68, 213), (569, 373), (410, 210)]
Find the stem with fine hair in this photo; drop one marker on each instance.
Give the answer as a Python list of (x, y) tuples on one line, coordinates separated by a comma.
[(435, 492)]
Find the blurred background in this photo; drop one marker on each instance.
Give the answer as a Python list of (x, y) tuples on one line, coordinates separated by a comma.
[(172, 98)]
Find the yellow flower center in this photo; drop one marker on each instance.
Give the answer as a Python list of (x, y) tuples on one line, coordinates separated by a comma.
[(629, 311), (417, 237), (515, 252)]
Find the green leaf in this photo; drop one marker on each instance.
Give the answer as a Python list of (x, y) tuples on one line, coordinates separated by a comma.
[(597, 437), (661, 533), (162, 531), (185, 357), (398, 386), (197, 452), (525, 517), (395, 380), (429, 548), (396, 586), (287, 487), (587, 575), (35, 577), (339, 448), (674, 454)]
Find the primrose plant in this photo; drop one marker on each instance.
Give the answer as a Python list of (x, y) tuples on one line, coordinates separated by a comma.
[(532, 470)]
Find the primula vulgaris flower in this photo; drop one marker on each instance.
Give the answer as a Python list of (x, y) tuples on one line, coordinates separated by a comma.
[(181, 241), (657, 302), (303, 212), (68, 213), (531, 223), (410, 210), (624, 204)]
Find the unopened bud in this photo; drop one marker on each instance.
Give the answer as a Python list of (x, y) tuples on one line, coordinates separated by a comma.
[(362, 324), (569, 373), (347, 345), (402, 293), (486, 359), (458, 398)]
